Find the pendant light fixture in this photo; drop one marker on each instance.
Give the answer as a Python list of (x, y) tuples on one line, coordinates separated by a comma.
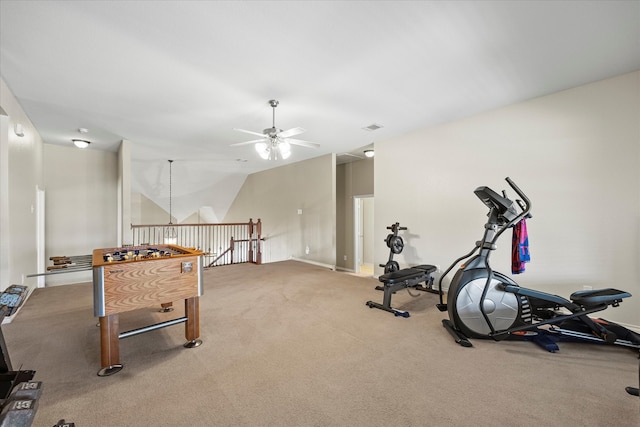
[(170, 235)]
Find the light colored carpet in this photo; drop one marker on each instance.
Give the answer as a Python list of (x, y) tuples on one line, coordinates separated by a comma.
[(292, 344)]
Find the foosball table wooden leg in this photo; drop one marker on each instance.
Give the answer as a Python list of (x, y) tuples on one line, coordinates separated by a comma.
[(192, 325), (109, 345)]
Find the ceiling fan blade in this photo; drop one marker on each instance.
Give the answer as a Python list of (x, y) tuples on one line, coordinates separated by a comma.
[(302, 143), (250, 132), (253, 141), (291, 132)]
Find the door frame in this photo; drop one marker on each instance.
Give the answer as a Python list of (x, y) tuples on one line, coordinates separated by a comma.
[(358, 231)]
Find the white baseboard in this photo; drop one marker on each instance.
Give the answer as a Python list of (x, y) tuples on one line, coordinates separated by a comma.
[(319, 264)]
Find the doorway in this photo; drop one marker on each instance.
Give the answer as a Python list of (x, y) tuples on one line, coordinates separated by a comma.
[(363, 239)]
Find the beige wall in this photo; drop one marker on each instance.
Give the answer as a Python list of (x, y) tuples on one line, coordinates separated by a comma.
[(276, 195), (20, 175), (81, 204), (146, 211), (575, 153)]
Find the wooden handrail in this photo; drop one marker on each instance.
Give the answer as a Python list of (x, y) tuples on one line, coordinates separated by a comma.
[(208, 237)]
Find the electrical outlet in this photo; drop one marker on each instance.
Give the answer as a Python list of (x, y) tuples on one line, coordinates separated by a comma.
[(345, 257)]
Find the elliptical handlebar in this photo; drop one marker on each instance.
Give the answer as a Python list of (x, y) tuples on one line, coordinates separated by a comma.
[(526, 209)]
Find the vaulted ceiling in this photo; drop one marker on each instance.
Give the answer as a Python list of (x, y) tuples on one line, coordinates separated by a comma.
[(176, 77)]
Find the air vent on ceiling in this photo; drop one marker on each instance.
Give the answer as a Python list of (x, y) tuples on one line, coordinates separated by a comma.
[(372, 127)]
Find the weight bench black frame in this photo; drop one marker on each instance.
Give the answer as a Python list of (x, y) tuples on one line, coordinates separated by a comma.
[(402, 279)]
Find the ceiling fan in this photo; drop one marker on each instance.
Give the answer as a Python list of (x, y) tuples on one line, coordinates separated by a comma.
[(274, 141)]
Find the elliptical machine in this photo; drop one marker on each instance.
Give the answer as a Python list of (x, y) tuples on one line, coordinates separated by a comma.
[(483, 303)]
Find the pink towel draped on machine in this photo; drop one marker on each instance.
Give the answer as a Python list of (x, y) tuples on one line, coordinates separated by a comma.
[(520, 247)]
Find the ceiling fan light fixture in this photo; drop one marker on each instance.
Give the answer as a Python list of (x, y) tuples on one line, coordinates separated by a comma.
[(263, 150), (285, 150), (273, 143)]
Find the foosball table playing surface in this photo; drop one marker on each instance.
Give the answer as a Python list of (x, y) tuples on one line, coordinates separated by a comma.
[(130, 278)]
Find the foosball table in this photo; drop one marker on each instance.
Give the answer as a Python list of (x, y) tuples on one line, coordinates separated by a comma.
[(130, 278)]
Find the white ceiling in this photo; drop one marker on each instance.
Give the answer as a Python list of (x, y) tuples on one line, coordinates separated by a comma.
[(175, 77)]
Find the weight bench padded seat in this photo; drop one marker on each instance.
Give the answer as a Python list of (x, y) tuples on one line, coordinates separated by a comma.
[(598, 296), (403, 279), (401, 275), (407, 274), (426, 267)]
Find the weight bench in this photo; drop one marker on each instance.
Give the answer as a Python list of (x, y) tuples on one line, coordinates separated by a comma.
[(403, 279)]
